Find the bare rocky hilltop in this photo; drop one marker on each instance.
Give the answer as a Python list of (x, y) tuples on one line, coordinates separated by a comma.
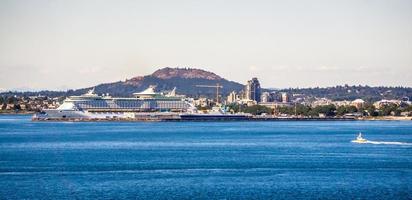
[(185, 73), (184, 79)]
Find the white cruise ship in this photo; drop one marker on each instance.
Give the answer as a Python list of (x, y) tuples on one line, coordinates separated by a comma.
[(143, 104)]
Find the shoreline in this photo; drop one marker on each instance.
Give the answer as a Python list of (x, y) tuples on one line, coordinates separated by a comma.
[(218, 120), (378, 118), (17, 113), (387, 118)]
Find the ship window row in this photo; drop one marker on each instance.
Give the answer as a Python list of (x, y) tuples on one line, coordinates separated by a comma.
[(132, 104)]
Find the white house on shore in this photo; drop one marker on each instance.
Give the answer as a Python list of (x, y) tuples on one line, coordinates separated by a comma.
[(358, 103)]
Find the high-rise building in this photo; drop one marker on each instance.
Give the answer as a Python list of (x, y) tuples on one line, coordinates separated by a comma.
[(252, 90)]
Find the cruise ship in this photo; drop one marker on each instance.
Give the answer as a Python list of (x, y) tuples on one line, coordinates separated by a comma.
[(147, 104)]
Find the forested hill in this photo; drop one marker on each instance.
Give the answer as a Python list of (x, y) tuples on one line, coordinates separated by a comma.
[(186, 79), (354, 92)]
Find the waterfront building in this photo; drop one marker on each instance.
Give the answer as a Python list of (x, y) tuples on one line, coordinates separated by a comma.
[(253, 90), (295, 95), (232, 98), (285, 97), (341, 103), (321, 102), (358, 103), (241, 95), (203, 102), (247, 102), (299, 100), (406, 114), (273, 96), (10, 106), (385, 102), (22, 106), (265, 97), (275, 105)]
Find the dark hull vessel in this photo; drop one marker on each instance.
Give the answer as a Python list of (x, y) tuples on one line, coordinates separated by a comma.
[(214, 117)]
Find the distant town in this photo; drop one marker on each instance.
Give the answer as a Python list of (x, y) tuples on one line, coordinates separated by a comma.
[(286, 104), (252, 99)]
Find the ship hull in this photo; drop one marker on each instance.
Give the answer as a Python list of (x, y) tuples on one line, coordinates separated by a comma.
[(71, 115), (213, 117)]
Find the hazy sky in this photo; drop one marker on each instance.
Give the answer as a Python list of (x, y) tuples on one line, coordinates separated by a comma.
[(70, 44)]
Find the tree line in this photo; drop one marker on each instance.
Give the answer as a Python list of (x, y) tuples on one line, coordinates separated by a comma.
[(326, 110)]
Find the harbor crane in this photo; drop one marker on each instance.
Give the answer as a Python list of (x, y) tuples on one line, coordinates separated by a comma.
[(217, 86)]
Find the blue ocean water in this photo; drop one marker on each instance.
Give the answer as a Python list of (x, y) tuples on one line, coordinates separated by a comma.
[(204, 160)]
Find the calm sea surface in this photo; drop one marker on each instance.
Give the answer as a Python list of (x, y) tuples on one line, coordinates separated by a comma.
[(204, 160)]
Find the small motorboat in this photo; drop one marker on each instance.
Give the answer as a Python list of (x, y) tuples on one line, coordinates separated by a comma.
[(360, 139)]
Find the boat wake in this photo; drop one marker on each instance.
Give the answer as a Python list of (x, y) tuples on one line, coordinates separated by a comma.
[(361, 140), (388, 143)]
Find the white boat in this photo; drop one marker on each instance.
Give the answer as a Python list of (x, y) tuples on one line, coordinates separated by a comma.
[(360, 139)]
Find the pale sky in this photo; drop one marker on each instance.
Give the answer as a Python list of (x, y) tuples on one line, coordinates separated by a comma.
[(71, 44)]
